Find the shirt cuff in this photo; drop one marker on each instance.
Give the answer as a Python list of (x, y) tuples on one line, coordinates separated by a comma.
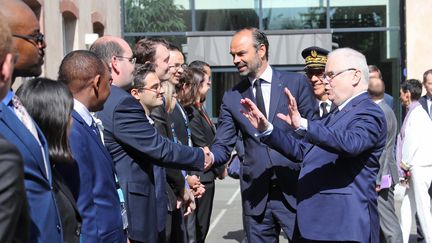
[(266, 132)]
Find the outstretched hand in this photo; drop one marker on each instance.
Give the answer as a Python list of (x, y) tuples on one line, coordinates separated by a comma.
[(293, 117), (254, 115)]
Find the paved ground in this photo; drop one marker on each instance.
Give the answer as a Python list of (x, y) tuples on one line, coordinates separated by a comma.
[(226, 222)]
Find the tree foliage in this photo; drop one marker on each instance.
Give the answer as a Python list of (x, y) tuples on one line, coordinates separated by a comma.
[(153, 16)]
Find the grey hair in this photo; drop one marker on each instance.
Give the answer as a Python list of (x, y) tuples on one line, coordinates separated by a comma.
[(353, 59)]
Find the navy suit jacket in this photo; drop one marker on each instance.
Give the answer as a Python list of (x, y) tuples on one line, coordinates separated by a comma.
[(97, 198), (135, 145), (260, 162), (45, 223), (423, 102), (336, 197)]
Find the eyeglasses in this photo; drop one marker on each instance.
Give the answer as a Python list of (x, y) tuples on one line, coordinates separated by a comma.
[(130, 59), (317, 73), (331, 75), (178, 65), (156, 90), (39, 38)]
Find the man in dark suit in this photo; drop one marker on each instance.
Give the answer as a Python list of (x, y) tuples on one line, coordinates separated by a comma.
[(426, 100), (135, 145), (173, 126), (315, 61), (14, 217), (388, 175), (268, 179), (19, 128), (88, 78), (336, 197)]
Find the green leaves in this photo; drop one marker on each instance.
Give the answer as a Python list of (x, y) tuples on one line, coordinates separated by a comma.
[(153, 16)]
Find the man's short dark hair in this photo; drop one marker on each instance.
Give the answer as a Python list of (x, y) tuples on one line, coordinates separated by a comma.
[(414, 86), (259, 38), (145, 49), (140, 73), (80, 66), (373, 68)]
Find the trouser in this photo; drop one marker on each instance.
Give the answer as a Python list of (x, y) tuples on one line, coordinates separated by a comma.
[(417, 199), (389, 224), (278, 215)]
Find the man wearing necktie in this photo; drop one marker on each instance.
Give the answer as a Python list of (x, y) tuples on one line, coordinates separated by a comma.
[(267, 179), (336, 197), (14, 214), (315, 61), (19, 128), (97, 199)]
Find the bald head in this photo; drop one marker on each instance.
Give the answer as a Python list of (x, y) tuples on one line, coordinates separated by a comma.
[(27, 41), (117, 53)]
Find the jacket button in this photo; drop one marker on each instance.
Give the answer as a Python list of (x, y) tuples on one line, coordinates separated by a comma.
[(58, 228)]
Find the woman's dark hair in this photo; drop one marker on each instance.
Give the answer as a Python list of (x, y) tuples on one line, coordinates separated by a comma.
[(50, 104), (414, 86), (199, 65), (193, 78)]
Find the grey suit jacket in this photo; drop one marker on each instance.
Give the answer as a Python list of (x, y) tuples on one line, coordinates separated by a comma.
[(387, 160), (14, 223)]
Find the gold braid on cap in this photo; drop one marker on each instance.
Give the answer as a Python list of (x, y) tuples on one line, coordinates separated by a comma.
[(315, 60)]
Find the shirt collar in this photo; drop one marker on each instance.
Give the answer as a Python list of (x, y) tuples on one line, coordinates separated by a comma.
[(8, 98), (378, 101), (151, 121), (324, 101), (348, 100), (266, 76), (83, 112)]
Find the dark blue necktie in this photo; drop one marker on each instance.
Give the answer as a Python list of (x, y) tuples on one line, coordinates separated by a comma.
[(259, 97)]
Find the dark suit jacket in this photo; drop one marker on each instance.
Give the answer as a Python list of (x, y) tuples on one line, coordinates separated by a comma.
[(261, 163), (202, 135), (135, 145), (423, 102), (175, 180), (14, 217), (97, 201), (336, 197), (70, 217), (45, 223)]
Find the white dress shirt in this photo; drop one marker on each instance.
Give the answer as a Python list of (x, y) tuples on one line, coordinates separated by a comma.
[(266, 76)]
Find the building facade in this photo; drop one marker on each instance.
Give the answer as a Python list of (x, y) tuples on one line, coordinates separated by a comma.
[(73, 24)]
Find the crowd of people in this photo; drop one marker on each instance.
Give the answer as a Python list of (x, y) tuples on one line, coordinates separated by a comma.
[(120, 148)]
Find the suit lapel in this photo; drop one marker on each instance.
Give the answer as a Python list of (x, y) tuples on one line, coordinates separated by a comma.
[(245, 89), (25, 136), (275, 94), (91, 133), (351, 105)]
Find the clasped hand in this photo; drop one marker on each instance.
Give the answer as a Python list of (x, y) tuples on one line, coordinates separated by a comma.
[(208, 159)]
